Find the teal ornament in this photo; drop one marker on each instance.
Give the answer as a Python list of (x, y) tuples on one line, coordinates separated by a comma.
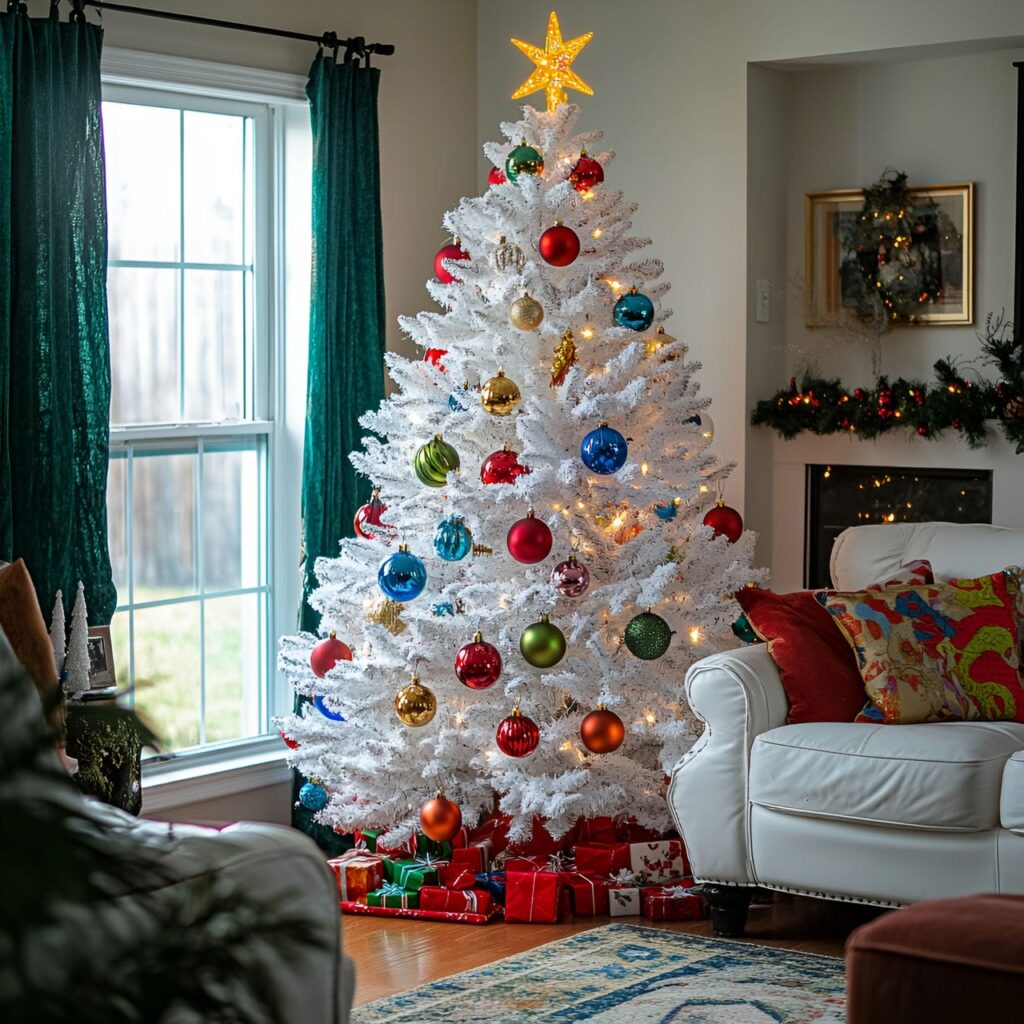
[(693, 420), (742, 630), (443, 608), (402, 576), (334, 716), (634, 311), (452, 539), (667, 511), (313, 796), (604, 450), (458, 400)]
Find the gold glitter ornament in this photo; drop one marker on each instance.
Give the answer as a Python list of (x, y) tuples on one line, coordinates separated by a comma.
[(500, 395), (526, 313), (564, 359), (658, 341), (507, 257), (415, 705), (385, 612)]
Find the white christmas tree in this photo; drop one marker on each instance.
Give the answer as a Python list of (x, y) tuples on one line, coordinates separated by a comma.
[(78, 646), (58, 634), (638, 529)]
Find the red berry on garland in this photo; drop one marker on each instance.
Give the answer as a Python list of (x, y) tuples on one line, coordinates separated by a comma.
[(440, 819), (502, 467), (725, 521), (586, 174), (559, 245), (449, 252), (496, 176), (517, 735), (478, 664), (327, 653), (435, 356), (529, 540), (367, 522), (602, 731)]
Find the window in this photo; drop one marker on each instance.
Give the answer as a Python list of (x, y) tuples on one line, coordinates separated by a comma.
[(190, 218)]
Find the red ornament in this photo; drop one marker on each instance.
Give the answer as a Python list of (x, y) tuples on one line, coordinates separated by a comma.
[(602, 731), (923, 429), (559, 245), (860, 394), (435, 356), (517, 735), (502, 467), (326, 654), (529, 540), (289, 742), (586, 174), (496, 176), (367, 521), (449, 252), (440, 819), (725, 521), (478, 664)]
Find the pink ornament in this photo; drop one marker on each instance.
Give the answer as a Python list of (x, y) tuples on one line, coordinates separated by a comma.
[(570, 578)]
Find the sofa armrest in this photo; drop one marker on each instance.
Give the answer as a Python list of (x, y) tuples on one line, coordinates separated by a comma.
[(737, 695)]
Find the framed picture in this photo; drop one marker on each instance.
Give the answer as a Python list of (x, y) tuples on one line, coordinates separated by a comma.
[(941, 248), (101, 658)]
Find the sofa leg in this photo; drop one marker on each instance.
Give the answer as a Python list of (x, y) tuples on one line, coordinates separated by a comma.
[(729, 905)]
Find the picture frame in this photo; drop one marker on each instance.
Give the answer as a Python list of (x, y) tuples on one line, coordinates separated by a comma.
[(946, 216), (101, 658)]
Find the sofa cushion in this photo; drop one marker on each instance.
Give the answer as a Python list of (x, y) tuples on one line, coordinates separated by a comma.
[(937, 775), (1011, 800)]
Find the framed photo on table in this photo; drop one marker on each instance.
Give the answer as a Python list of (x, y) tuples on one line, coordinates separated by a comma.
[(942, 245), (101, 658)]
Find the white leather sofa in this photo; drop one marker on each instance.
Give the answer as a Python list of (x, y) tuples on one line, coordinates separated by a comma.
[(881, 814)]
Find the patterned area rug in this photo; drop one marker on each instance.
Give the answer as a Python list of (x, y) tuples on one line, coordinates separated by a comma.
[(625, 974)]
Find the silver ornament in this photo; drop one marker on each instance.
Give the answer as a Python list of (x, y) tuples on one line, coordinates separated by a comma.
[(507, 257)]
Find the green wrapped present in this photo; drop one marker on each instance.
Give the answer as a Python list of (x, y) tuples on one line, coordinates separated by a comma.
[(391, 895), (425, 846), (413, 874)]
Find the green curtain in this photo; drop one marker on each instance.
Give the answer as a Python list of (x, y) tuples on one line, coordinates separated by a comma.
[(54, 347), (347, 322)]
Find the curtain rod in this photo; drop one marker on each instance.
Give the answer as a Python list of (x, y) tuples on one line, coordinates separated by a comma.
[(355, 45)]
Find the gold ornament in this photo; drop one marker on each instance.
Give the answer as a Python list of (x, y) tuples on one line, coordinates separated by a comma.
[(658, 341), (526, 313), (565, 358), (500, 396), (385, 612), (415, 705), (552, 72), (508, 257)]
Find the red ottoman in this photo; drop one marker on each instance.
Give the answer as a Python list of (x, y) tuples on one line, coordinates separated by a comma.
[(940, 961)]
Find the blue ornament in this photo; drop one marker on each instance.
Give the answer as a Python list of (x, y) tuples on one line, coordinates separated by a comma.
[(443, 608), (324, 710), (667, 511), (693, 420), (604, 450), (458, 400), (402, 576), (313, 796), (634, 311), (452, 539)]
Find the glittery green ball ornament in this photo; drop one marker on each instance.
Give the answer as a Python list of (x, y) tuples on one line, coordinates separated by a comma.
[(648, 636), (523, 159), (434, 461)]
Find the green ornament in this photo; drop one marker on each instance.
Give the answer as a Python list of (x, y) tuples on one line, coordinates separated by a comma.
[(648, 636), (542, 644), (434, 461), (523, 159), (742, 630)]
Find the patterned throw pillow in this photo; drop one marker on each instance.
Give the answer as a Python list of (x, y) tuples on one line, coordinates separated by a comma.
[(933, 652)]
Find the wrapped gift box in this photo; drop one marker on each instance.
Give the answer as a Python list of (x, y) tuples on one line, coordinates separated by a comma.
[(451, 876), (623, 900), (533, 896), (494, 883), (427, 847), (602, 859), (476, 856), (455, 901), (461, 838), (371, 839), (421, 915), (630, 832), (358, 875), (536, 862), (411, 874), (596, 830), (587, 896), (672, 903), (660, 861), (391, 895)]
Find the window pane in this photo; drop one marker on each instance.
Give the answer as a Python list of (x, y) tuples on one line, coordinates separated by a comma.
[(144, 357), (117, 534), (214, 345), (163, 538), (232, 520), (215, 185), (234, 656), (167, 684), (143, 165)]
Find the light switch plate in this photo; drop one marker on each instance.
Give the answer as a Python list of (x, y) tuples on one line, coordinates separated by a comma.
[(763, 312)]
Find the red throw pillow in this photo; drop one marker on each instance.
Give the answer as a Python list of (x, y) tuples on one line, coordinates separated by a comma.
[(817, 665)]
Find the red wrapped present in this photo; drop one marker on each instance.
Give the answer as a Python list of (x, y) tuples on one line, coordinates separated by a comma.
[(672, 903), (623, 900), (660, 861), (602, 859), (357, 875), (534, 896), (452, 876), (460, 839), (587, 896), (534, 862), (540, 842), (494, 828), (455, 901), (476, 856), (631, 832), (596, 830)]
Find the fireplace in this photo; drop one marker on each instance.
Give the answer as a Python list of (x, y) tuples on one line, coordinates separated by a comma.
[(842, 496)]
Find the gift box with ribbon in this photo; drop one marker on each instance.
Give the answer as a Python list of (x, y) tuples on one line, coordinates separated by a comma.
[(427, 847), (533, 896), (660, 861), (596, 830), (413, 873), (476, 856), (451, 876), (493, 882), (371, 839), (357, 875), (534, 862), (588, 896), (602, 859), (623, 900), (672, 902), (392, 895), (456, 901), (460, 839)]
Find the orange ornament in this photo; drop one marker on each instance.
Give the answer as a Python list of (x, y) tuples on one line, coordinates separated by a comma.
[(440, 819), (602, 731)]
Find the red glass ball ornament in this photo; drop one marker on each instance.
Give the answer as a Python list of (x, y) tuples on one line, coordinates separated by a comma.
[(602, 731), (327, 653), (440, 818), (289, 742), (586, 174), (559, 245), (449, 252), (725, 521), (367, 521), (517, 735), (496, 176), (435, 356), (570, 578), (529, 540), (502, 467), (478, 664)]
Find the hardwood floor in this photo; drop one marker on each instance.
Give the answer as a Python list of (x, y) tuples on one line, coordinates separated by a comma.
[(392, 955)]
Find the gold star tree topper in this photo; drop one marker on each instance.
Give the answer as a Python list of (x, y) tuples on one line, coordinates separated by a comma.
[(553, 73)]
